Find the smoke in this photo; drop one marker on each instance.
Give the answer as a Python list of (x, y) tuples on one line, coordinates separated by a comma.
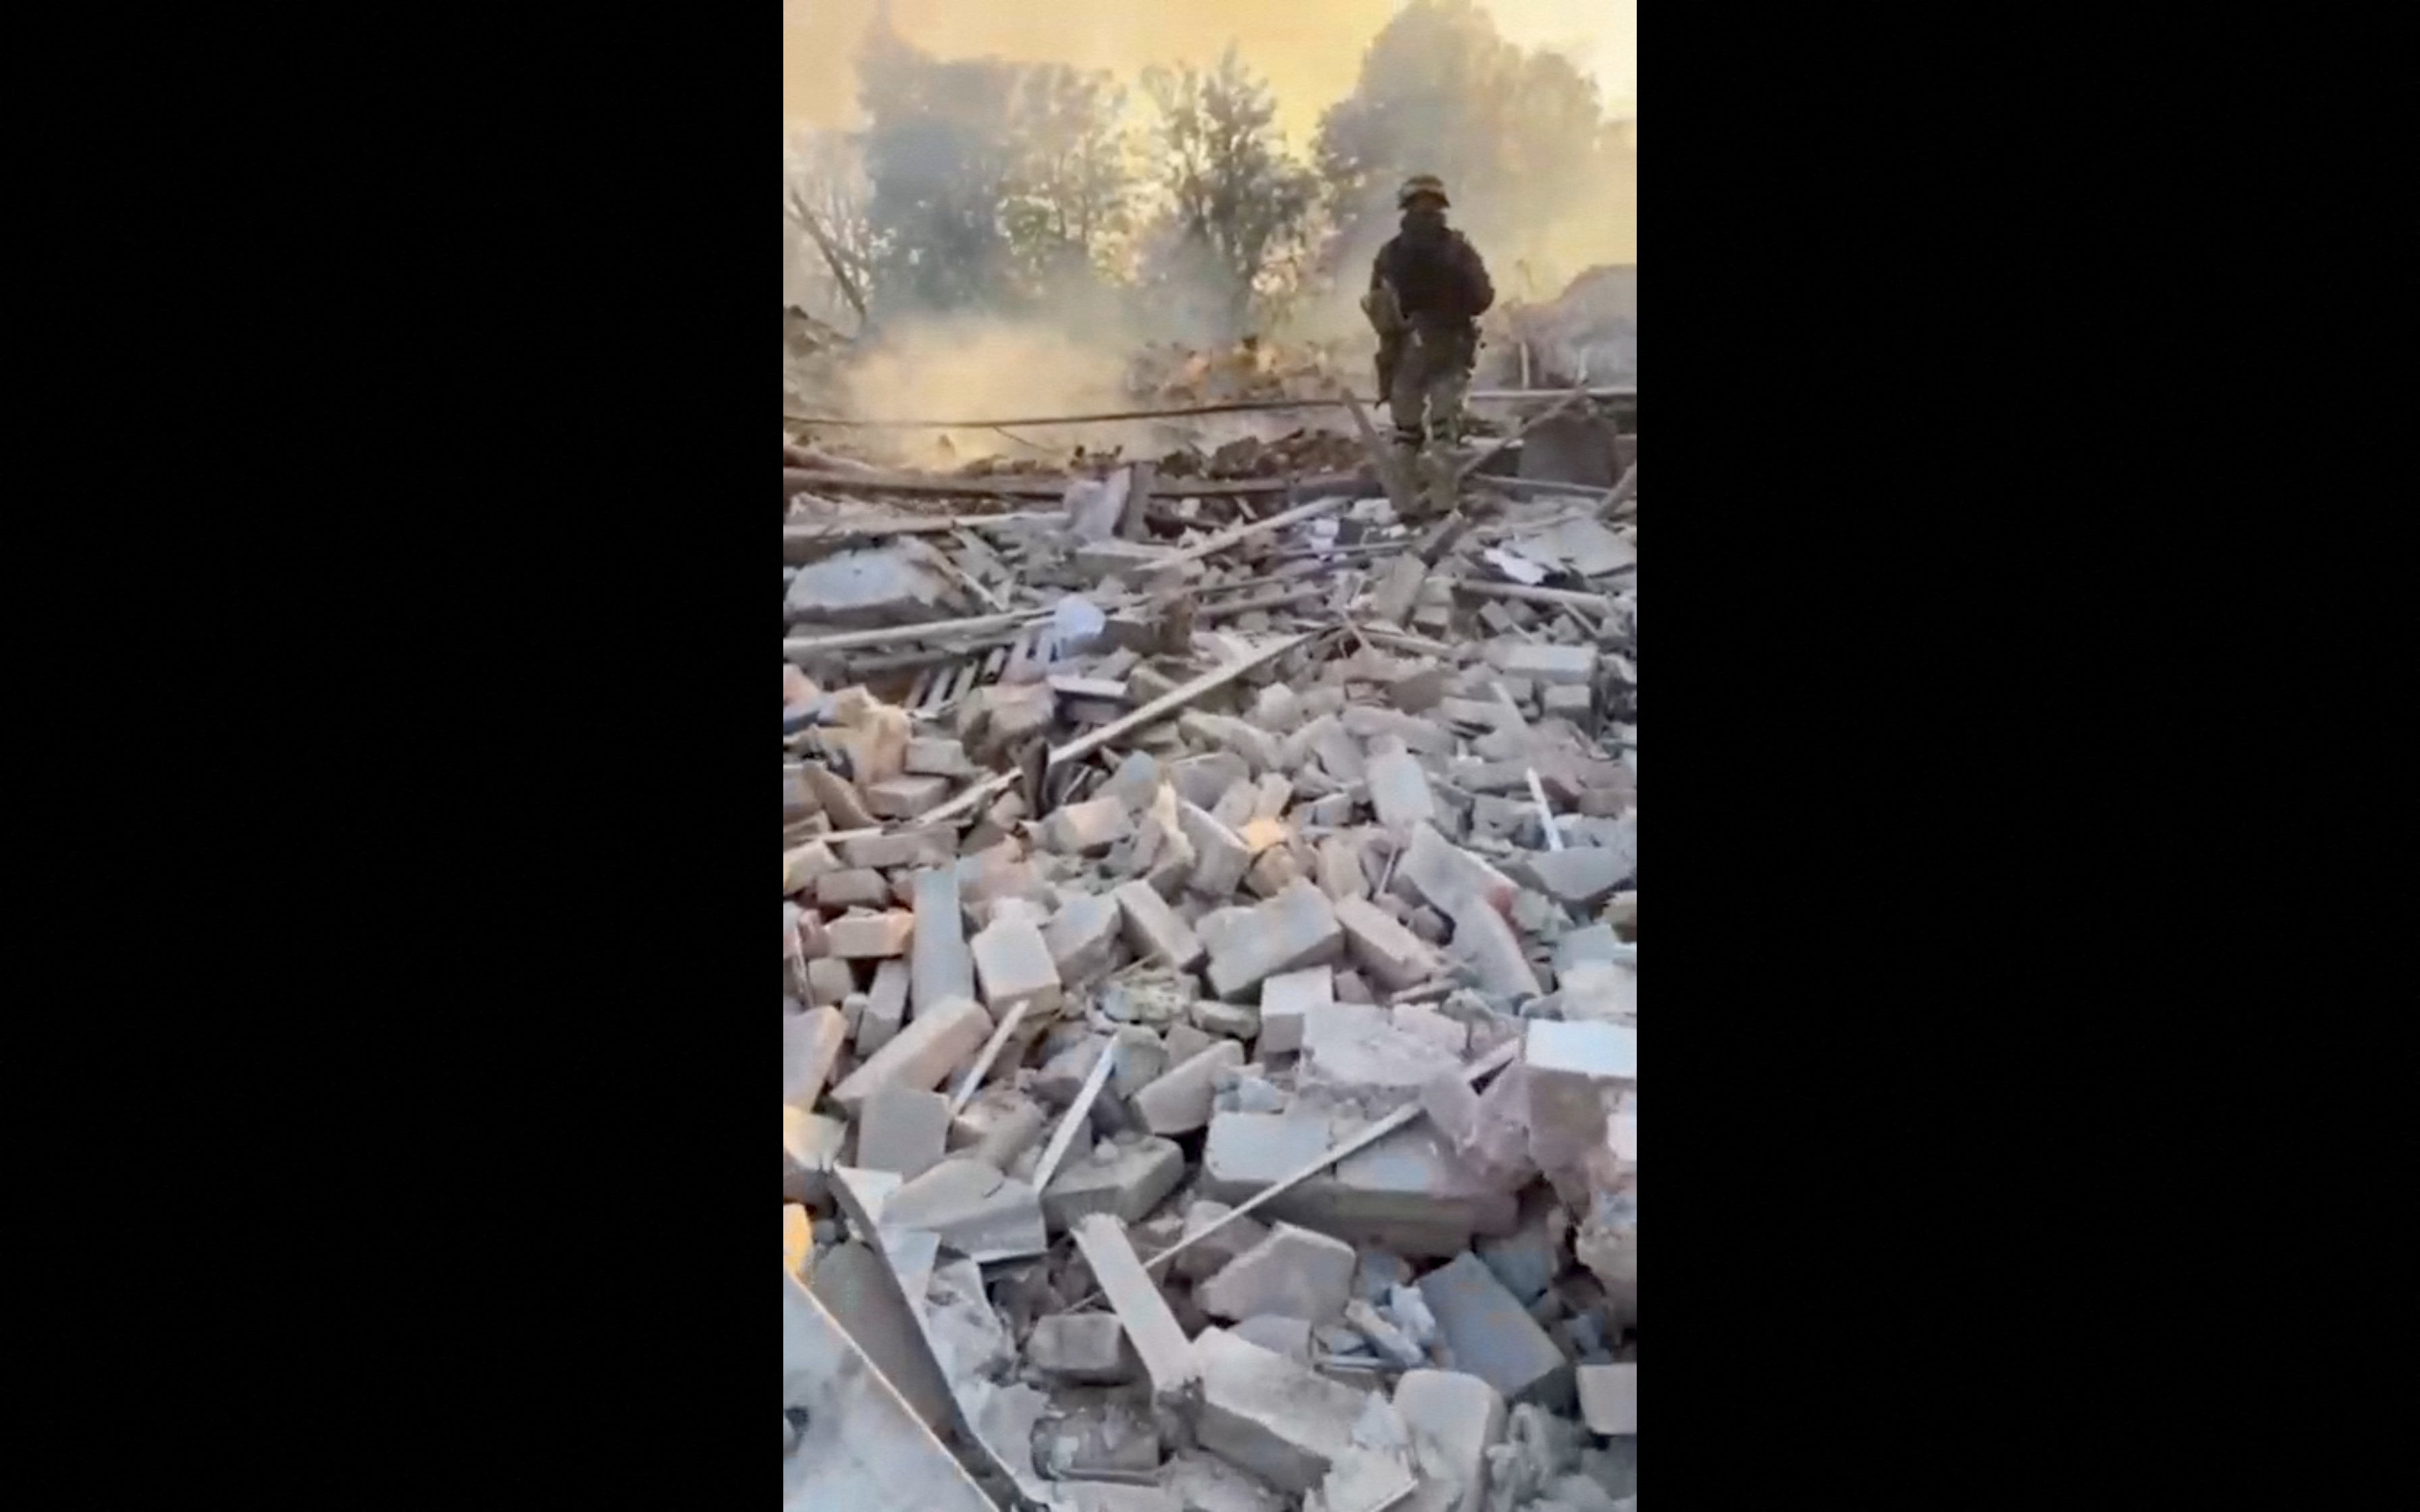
[(988, 367), (1310, 51)]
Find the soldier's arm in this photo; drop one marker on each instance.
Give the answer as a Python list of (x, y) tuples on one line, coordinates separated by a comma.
[(1481, 290)]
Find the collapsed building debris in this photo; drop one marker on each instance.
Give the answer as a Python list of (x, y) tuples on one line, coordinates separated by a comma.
[(1209, 974)]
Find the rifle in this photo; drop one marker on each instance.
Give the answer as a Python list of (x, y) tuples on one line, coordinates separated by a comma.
[(1384, 310)]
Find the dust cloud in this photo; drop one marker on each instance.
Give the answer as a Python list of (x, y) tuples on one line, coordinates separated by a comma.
[(1308, 50)]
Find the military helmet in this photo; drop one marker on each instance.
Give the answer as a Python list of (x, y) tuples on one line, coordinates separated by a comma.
[(1418, 185)]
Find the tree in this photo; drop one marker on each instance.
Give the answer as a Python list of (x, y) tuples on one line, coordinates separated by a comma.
[(938, 162), (826, 237), (1236, 204), (1068, 208)]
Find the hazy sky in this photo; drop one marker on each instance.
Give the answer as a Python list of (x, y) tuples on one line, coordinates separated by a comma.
[(1310, 50)]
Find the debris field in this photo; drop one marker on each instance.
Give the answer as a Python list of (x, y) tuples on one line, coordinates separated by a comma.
[(1210, 1012)]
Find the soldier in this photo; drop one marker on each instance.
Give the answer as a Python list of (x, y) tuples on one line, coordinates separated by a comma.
[(1427, 290)]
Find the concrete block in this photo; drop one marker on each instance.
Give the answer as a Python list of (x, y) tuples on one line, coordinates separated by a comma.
[(1289, 1336), (1609, 1399), (870, 936), (1340, 870), (943, 968), (803, 867), (1388, 954), (1184, 1041), (1180, 1101), (1136, 1299), (1135, 781), (878, 1021), (1088, 828), (1526, 1260), (1581, 876), (1088, 1348), (1128, 1187), (1573, 1072), (1201, 780), (1399, 792), (1340, 754), (1266, 1414), (1143, 1058), (1152, 928), (1294, 1273), (852, 888), (1258, 748), (1407, 1192), (811, 1042), (810, 1146), (1232, 1021), (1454, 1420), (1485, 941), (1367, 722), (1434, 870), (902, 1130), (1451, 1036), (1295, 929), (888, 993), (1603, 1054), (904, 796), (1287, 997), (1550, 665), (1234, 806), (1082, 936), (1014, 966), (1358, 1050), (1418, 690), (1573, 701), (830, 980), (1220, 855), (1211, 1255), (1591, 943), (838, 799), (1494, 1338), (999, 1124), (937, 1043), (1599, 991), (930, 756), (969, 1206), (933, 845)]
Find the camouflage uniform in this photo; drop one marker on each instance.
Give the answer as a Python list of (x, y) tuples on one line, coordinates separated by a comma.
[(1428, 288)]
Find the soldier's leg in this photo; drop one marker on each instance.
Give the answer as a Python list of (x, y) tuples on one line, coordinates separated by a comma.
[(1408, 395), (1448, 383)]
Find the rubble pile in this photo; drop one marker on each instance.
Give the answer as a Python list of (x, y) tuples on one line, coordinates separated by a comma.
[(1589, 330), (1210, 989), (1253, 368)]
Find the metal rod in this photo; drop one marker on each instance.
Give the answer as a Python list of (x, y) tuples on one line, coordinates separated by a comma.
[(1178, 412)]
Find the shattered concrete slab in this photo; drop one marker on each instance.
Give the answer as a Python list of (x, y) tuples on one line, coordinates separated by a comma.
[(1292, 1273), (1455, 1418), (924, 1054), (1295, 929), (1132, 1181), (1493, 1336), (1270, 1415)]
